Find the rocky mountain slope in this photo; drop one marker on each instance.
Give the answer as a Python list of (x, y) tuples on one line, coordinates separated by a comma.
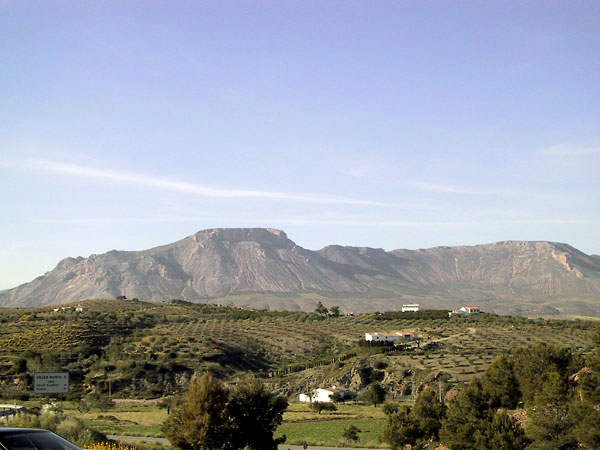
[(262, 266)]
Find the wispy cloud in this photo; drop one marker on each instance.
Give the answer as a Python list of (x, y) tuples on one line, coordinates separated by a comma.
[(270, 222), (571, 150), (133, 178)]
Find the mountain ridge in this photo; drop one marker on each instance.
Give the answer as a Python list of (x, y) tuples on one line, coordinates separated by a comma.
[(539, 277)]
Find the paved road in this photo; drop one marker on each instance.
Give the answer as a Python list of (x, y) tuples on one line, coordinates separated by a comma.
[(164, 441)]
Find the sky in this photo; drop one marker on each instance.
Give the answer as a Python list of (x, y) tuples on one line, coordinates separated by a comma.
[(390, 124)]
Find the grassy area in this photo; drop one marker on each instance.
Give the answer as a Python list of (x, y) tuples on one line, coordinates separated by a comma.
[(329, 432), (326, 429), (144, 418), (130, 418)]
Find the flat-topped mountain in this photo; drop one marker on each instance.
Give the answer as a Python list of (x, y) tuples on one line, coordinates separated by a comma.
[(256, 266)]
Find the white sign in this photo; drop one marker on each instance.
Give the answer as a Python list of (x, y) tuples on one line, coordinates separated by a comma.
[(51, 382)]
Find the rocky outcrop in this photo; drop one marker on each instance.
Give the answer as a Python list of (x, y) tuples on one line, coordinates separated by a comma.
[(530, 277)]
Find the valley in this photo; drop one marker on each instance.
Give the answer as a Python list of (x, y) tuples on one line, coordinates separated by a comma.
[(129, 350)]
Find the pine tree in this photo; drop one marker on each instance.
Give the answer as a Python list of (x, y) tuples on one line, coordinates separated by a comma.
[(198, 420), (321, 309), (427, 414), (467, 417), (254, 414), (400, 429), (501, 384), (551, 423), (504, 433), (374, 394)]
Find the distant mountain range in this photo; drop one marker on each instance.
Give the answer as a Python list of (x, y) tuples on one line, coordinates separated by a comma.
[(263, 268)]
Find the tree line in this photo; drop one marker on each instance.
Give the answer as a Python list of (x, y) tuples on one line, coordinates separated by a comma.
[(210, 416), (558, 392)]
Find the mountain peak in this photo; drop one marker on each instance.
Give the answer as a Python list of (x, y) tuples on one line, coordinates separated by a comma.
[(219, 262), (241, 234)]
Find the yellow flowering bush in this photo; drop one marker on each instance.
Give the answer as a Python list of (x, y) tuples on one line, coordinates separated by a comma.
[(110, 446)]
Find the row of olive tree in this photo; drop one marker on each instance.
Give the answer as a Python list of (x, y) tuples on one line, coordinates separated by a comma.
[(212, 417), (559, 390)]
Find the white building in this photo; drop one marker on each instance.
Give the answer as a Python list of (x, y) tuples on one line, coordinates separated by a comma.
[(470, 310), (405, 336), (412, 307), (397, 336), (324, 394)]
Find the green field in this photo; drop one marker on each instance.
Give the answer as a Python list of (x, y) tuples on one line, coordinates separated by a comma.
[(144, 418), (301, 424)]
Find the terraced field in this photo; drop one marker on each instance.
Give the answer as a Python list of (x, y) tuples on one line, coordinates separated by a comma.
[(127, 343)]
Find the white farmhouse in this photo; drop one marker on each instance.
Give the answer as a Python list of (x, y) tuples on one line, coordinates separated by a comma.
[(382, 337), (397, 336), (324, 394), (412, 307), (470, 310)]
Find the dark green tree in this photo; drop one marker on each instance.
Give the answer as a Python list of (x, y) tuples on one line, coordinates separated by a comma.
[(254, 414), (504, 433), (334, 311), (428, 413), (390, 408), (551, 420), (587, 430), (321, 309), (415, 426), (323, 406), (467, 418), (351, 433), (375, 394), (336, 397), (586, 407), (501, 384), (531, 367), (198, 420), (589, 382), (400, 429)]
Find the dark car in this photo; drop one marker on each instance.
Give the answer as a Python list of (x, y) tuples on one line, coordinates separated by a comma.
[(32, 439)]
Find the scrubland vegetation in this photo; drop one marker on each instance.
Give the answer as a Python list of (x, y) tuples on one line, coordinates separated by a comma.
[(117, 351)]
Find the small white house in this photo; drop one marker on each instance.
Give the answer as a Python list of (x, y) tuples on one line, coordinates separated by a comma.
[(324, 394), (382, 337), (470, 310), (80, 308), (397, 336), (412, 307)]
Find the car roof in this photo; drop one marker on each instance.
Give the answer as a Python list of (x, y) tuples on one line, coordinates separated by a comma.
[(21, 430)]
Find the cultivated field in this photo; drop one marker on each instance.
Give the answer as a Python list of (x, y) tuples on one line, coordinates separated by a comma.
[(140, 350)]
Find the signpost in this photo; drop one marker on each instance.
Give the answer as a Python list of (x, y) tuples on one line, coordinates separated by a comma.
[(51, 383)]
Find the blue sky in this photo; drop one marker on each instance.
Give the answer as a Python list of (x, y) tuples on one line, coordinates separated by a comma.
[(372, 123)]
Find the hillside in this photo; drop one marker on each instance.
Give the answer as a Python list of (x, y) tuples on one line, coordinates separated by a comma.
[(148, 348), (263, 268)]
